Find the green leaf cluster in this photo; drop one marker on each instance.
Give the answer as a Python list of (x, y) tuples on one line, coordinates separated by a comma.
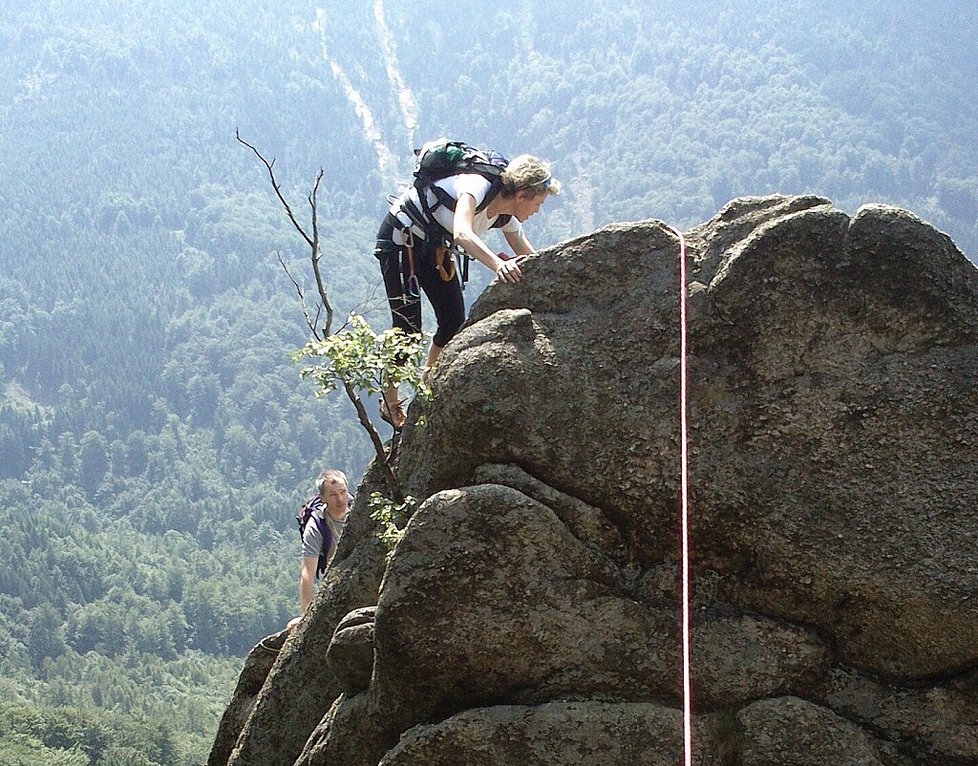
[(364, 359), (392, 518)]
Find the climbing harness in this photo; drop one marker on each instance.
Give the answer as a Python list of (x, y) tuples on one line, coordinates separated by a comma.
[(684, 470), (413, 210)]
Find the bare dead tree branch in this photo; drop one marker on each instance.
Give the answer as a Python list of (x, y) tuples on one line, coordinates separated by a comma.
[(385, 455), (387, 458), (373, 303), (312, 240), (269, 166), (310, 322), (316, 254)]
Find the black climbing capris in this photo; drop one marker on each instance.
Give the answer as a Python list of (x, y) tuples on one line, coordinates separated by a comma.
[(445, 296)]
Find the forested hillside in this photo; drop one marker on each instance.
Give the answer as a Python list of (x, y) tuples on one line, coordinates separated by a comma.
[(155, 438)]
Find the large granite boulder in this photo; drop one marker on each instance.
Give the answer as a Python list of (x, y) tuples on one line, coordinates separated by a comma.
[(531, 612)]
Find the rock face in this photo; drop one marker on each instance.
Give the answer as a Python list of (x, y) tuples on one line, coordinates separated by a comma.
[(531, 612), (256, 668)]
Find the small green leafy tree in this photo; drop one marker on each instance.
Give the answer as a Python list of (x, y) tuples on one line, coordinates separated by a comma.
[(354, 358), (392, 517), (362, 361)]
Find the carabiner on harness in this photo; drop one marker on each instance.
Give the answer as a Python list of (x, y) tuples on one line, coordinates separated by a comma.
[(412, 289)]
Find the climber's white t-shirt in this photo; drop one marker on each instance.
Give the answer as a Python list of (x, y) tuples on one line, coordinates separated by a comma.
[(465, 183)]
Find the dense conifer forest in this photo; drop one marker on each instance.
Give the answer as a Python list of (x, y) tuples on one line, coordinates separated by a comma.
[(155, 438)]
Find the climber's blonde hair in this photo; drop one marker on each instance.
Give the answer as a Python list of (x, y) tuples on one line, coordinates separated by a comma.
[(528, 173)]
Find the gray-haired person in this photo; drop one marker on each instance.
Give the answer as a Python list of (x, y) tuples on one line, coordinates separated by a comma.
[(322, 521)]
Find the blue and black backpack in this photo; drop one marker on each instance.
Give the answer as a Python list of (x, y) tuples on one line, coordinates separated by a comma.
[(302, 518)]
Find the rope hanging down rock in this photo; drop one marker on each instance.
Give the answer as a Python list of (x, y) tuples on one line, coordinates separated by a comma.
[(684, 470)]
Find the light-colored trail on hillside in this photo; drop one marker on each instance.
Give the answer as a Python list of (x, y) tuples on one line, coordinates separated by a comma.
[(584, 194), (407, 105), (386, 160)]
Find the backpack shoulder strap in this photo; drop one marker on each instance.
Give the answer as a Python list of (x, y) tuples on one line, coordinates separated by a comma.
[(327, 536), (447, 200), (443, 158), (501, 221)]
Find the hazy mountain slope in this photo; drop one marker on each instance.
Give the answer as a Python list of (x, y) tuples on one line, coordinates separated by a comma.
[(145, 325)]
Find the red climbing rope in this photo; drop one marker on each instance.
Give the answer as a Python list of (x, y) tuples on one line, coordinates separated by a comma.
[(684, 470)]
